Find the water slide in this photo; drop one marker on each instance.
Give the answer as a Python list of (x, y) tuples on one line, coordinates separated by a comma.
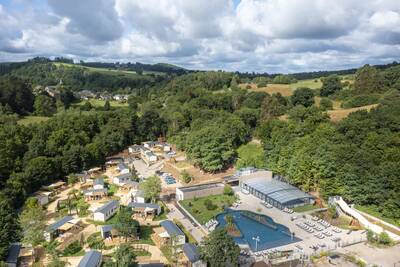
[(363, 221)]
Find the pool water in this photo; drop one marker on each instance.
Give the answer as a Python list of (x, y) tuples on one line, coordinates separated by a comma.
[(251, 225)]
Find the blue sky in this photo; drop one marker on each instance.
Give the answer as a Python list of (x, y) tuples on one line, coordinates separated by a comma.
[(245, 35)]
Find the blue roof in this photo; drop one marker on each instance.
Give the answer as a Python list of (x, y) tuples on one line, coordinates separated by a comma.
[(106, 228), (191, 251), (13, 253), (91, 259), (124, 176), (59, 223), (98, 181), (122, 166), (108, 206), (171, 228)]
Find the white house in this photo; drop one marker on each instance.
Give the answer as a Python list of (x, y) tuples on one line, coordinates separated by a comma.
[(122, 179), (106, 211), (98, 183), (137, 196), (43, 197), (148, 156), (122, 168)]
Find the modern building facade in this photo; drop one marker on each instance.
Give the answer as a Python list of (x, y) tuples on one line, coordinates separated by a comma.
[(201, 190)]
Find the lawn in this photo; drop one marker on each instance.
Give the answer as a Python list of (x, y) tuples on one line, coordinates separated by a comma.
[(374, 212), (305, 208), (98, 103), (32, 119), (310, 83), (163, 214), (198, 209), (250, 155)]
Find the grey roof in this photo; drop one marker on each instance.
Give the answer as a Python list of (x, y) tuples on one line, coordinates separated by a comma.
[(91, 259), (191, 251), (106, 228), (104, 190), (13, 253), (124, 176), (171, 228), (59, 223), (277, 190), (143, 205), (122, 166), (108, 206), (98, 181), (200, 187)]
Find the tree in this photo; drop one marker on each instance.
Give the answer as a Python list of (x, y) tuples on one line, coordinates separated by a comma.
[(384, 238), (151, 188), (326, 104), (124, 256), (87, 106), (228, 190), (32, 221), (125, 225), (303, 96), (8, 225), (219, 249), (186, 177), (44, 105), (368, 80), (95, 241), (330, 85), (107, 106)]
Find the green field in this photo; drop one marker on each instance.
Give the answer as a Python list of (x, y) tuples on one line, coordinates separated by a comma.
[(102, 70), (97, 103), (32, 119), (197, 208), (310, 83)]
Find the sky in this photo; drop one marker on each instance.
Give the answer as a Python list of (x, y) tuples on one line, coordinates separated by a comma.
[(271, 36)]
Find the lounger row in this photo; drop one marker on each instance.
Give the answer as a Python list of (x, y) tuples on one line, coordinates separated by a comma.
[(305, 227)]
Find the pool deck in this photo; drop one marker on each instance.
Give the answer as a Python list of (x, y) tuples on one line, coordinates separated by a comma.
[(251, 203)]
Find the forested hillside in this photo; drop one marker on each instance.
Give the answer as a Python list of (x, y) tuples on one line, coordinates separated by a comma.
[(209, 116)]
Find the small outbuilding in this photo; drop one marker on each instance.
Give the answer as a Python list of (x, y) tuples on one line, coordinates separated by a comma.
[(106, 211), (192, 256), (123, 178), (169, 233), (145, 209)]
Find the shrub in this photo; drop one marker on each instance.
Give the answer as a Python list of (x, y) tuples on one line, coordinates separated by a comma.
[(384, 239), (228, 190), (360, 100), (248, 86), (186, 177), (326, 104), (72, 249), (209, 204), (262, 84)]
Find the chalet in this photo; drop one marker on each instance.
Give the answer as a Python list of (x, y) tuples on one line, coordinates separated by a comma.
[(43, 197), (95, 194), (135, 149), (13, 255), (145, 209), (83, 177), (122, 168), (169, 234), (191, 256), (106, 231), (138, 196), (106, 211), (148, 157), (92, 258), (98, 183), (55, 186), (60, 227), (122, 179)]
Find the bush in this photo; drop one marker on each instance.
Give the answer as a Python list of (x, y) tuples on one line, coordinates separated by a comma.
[(326, 104), (209, 204), (186, 177), (384, 239), (228, 190), (72, 249), (248, 86), (262, 84), (360, 100)]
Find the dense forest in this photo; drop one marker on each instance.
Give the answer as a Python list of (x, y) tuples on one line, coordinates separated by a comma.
[(209, 116)]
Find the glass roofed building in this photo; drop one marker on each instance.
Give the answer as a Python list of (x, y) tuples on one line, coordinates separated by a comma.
[(277, 193)]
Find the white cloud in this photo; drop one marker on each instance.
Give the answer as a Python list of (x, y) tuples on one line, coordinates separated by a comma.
[(256, 35)]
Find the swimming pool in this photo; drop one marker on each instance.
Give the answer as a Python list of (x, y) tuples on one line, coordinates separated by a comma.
[(251, 225)]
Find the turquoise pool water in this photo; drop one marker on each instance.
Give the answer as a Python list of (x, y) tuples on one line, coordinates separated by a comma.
[(251, 225)]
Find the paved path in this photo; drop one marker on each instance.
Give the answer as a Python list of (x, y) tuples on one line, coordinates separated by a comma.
[(193, 230)]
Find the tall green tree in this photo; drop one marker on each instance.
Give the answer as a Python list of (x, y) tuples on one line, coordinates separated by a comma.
[(151, 188), (368, 80), (220, 250), (9, 225), (125, 225), (44, 105), (302, 96), (330, 85)]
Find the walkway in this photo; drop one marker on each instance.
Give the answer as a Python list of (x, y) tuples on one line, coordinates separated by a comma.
[(363, 221), (195, 231)]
